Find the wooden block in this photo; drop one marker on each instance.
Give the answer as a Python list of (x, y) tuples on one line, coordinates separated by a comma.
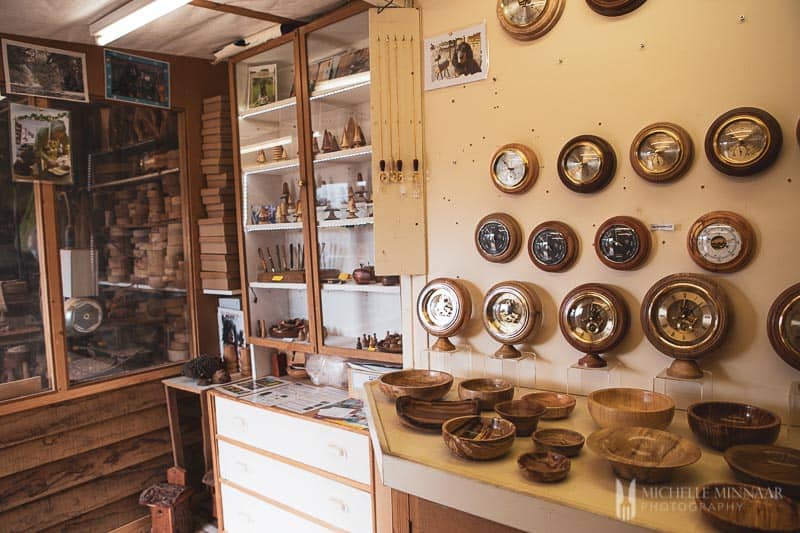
[(226, 200), (219, 266), (216, 123), (215, 99), (220, 161), (216, 106), (216, 139), (216, 191), (220, 210), (226, 230), (229, 258), (225, 247), (222, 284), (215, 169), (216, 221), (223, 113), (216, 145), (218, 275), (218, 154), (222, 176), (220, 131)]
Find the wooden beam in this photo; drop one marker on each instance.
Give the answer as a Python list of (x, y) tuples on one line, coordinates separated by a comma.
[(242, 12), (125, 513)]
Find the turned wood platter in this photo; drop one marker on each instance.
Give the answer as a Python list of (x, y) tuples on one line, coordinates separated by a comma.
[(420, 384), (478, 437), (742, 507), (617, 407), (768, 466), (430, 415), (725, 424)]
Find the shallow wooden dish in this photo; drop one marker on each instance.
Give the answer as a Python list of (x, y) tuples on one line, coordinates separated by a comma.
[(768, 466), (545, 467), (645, 454), (430, 415), (725, 424), (523, 414), (621, 407), (478, 437), (488, 391), (742, 507), (420, 384), (557, 405), (559, 440)]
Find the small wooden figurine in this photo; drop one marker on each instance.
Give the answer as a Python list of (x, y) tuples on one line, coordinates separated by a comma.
[(261, 157), (352, 212)]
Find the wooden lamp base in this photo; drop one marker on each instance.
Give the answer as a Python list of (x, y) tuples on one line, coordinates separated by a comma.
[(592, 360), (684, 369), (507, 351), (443, 344)]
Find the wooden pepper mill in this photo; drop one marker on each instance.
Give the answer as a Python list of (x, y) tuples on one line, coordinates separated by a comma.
[(230, 358), (244, 362)]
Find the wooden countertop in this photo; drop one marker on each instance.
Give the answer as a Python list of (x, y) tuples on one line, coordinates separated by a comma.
[(420, 463)]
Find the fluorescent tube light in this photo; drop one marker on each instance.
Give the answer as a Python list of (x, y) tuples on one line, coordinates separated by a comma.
[(130, 17), (250, 148)]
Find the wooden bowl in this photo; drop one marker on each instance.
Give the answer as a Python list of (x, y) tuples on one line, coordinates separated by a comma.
[(478, 437), (725, 424), (430, 415), (558, 440), (645, 454), (742, 507), (620, 407), (768, 466), (420, 384), (545, 467), (488, 391), (557, 405), (523, 414)]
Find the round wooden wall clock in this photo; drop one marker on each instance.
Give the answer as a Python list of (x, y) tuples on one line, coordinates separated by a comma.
[(514, 168), (498, 238), (783, 325), (661, 152), (444, 306), (721, 241), (614, 8), (553, 246), (743, 141), (527, 20), (685, 317), (586, 163), (511, 314), (594, 319), (622, 243)]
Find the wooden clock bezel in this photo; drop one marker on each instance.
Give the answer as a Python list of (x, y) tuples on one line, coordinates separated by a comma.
[(607, 167), (531, 171), (443, 344), (534, 305), (569, 236), (614, 8), (547, 19), (593, 350), (774, 320), (773, 148), (645, 242), (514, 237), (680, 135), (739, 223)]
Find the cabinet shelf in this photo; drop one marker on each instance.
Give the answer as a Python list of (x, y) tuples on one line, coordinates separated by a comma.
[(346, 222), (136, 179), (275, 167), (139, 286), (350, 155), (264, 112), (277, 285), (355, 287), (347, 90), (274, 227), (222, 292)]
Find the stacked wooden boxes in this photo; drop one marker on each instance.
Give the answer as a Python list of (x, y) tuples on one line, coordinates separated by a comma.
[(219, 260)]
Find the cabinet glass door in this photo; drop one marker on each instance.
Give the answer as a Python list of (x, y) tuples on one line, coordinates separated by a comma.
[(360, 308), (272, 203)]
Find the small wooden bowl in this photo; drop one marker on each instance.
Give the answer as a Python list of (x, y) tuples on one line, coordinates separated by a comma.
[(544, 467), (523, 414), (420, 384), (488, 391), (742, 507), (558, 440), (768, 466), (478, 437), (620, 407), (297, 370), (430, 415), (725, 424), (645, 454), (557, 405)]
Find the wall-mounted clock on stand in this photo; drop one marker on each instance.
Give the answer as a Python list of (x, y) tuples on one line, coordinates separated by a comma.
[(593, 319), (444, 306), (511, 313)]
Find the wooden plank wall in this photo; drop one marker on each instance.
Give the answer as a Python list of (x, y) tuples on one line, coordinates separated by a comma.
[(80, 465)]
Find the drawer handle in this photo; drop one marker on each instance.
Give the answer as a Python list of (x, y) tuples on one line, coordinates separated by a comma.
[(240, 421), (242, 466), (340, 504), (246, 517), (338, 450)]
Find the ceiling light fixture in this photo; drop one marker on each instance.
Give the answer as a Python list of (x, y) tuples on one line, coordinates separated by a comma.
[(131, 17)]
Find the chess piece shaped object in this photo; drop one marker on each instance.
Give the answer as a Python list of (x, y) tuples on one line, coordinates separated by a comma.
[(298, 211), (348, 134), (278, 153), (329, 143), (373, 343), (352, 212), (283, 210), (314, 146), (331, 213), (359, 346), (358, 138), (261, 157), (263, 215)]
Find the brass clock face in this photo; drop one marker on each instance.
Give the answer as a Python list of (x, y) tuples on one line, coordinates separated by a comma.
[(661, 152), (622, 243), (553, 246), (783, 325), (528, 19), (443, 307), (510, 312), (586, 163), (593, 319), (721, 241), (514, 168), (743, 141), (497, 237)]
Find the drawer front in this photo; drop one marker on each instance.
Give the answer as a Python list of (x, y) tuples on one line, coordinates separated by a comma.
[(338, 451), (244, 514), (332, 502)]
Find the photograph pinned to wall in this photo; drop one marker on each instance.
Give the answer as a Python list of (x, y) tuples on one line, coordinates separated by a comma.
[(230, 324), (42, 71), (136, 79), (40, 145), (262, 85), (456, 58)]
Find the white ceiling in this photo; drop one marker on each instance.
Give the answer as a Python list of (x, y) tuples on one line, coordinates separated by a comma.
[(187, 31)]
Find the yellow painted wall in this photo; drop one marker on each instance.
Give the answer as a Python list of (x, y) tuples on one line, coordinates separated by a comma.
[(684, 61)]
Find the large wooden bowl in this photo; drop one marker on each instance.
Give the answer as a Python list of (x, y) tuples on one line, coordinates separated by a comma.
[(430, 415), (768, 466), (557, 405), (420, 384), (741, 507), (523, 414), (725, 424), (488, 391), (563, 441), (645, 454), (478, 437), (620, 407), (545, 467)]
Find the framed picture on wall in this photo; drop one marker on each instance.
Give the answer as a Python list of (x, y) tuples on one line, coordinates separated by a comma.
[(456, 58), (262, 85), (42, 71), (40, 145), (230, 324), (136, 79)]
